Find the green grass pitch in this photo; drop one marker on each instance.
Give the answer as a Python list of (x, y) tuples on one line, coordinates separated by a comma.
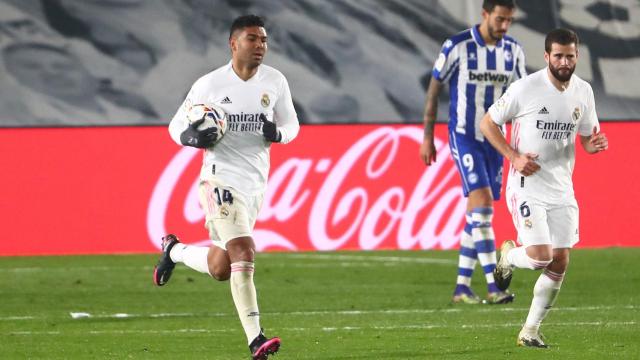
[(344, 305)]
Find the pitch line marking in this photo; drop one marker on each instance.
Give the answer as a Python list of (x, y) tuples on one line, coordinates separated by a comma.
[(330, 329), (82, 315), (378, 258)]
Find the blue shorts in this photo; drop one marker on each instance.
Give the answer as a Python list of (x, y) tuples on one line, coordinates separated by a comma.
[(479, 164)]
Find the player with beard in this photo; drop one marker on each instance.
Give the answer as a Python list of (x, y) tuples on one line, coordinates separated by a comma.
[(233, 177), (547, 110), (478, 64)]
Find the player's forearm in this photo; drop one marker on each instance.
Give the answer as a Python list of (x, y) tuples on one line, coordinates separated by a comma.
[(177, 125), (429, 118), (431, 108), (492, 133), (289, 131)]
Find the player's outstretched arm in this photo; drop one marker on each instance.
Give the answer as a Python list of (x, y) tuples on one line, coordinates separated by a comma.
[(525, 164), (428, 149), (594, 143)]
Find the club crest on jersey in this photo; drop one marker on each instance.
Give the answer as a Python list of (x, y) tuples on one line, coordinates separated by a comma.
[(576, 115), (224, 211), (528, 224), (265, 101), (508, 56)]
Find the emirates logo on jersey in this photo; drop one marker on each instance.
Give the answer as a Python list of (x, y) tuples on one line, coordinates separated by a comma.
[(244, 122)]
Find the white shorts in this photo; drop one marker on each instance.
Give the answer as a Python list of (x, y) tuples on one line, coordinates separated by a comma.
[(228, 213), (540, 224)]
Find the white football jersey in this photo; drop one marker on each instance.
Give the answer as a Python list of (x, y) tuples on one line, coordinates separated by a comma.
[(546, 121), (241, 158)]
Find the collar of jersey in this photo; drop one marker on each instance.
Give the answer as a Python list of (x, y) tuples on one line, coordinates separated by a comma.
[(475, 31), (230, 69)]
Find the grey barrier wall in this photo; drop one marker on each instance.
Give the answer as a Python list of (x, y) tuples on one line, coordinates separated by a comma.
[(114, 62)]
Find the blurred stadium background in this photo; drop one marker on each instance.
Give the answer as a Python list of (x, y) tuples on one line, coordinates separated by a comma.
[(87, 88), (347, 60)]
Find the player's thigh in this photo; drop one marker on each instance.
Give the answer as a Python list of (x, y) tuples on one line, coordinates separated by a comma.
[(482, 197), (564, 225), (471, 161), (529, 219), (227, 215)]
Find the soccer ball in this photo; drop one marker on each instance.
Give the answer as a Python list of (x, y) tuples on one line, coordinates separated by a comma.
[(214, 116)]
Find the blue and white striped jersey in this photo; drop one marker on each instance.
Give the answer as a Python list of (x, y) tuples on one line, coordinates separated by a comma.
[(477, 75)]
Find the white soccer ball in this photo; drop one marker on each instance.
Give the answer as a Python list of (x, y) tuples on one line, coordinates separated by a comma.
[(213, 115)]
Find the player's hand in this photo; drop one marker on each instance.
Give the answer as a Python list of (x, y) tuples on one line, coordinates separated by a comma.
[(269, 130), (428, 151), (598, 140), (526, 164), (199, 138)]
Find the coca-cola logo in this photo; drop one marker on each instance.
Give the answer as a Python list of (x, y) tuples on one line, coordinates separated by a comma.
[(372, 194)]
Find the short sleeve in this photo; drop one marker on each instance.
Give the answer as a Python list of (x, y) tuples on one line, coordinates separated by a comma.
[(446, 63), (590, 119), (508, 106), (521, 70)]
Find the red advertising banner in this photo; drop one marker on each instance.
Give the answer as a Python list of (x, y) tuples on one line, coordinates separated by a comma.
[(336, 187)]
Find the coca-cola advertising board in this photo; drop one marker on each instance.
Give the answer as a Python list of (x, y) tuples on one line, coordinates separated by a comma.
[(335, 187)]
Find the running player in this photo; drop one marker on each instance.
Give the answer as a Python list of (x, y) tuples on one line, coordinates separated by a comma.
[(547, 109), (233, 177)]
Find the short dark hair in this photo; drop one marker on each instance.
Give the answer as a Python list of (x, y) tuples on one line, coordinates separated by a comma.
[(245, 21), (560, 36), (488, 5)]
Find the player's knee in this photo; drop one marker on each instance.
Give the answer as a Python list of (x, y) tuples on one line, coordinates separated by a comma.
[(220, 272), (241, 250), (540, 263), (559, 264)]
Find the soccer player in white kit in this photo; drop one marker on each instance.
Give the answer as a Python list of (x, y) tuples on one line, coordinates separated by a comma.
[(478, 64), (547, 109), (234, 173)]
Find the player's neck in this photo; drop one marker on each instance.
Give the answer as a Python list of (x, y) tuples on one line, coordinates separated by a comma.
[(244, 71), (560, 85)]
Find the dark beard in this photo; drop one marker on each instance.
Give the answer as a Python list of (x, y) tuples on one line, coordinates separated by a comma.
[(564, 78), (493, 34)]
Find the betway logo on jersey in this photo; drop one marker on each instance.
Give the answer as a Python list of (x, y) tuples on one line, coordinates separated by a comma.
[(555, 130), (488, 76), (245, 122)]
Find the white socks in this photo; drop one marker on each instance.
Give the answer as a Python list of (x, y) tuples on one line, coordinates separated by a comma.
[(545, 293), (244, 296), (194, 257)]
